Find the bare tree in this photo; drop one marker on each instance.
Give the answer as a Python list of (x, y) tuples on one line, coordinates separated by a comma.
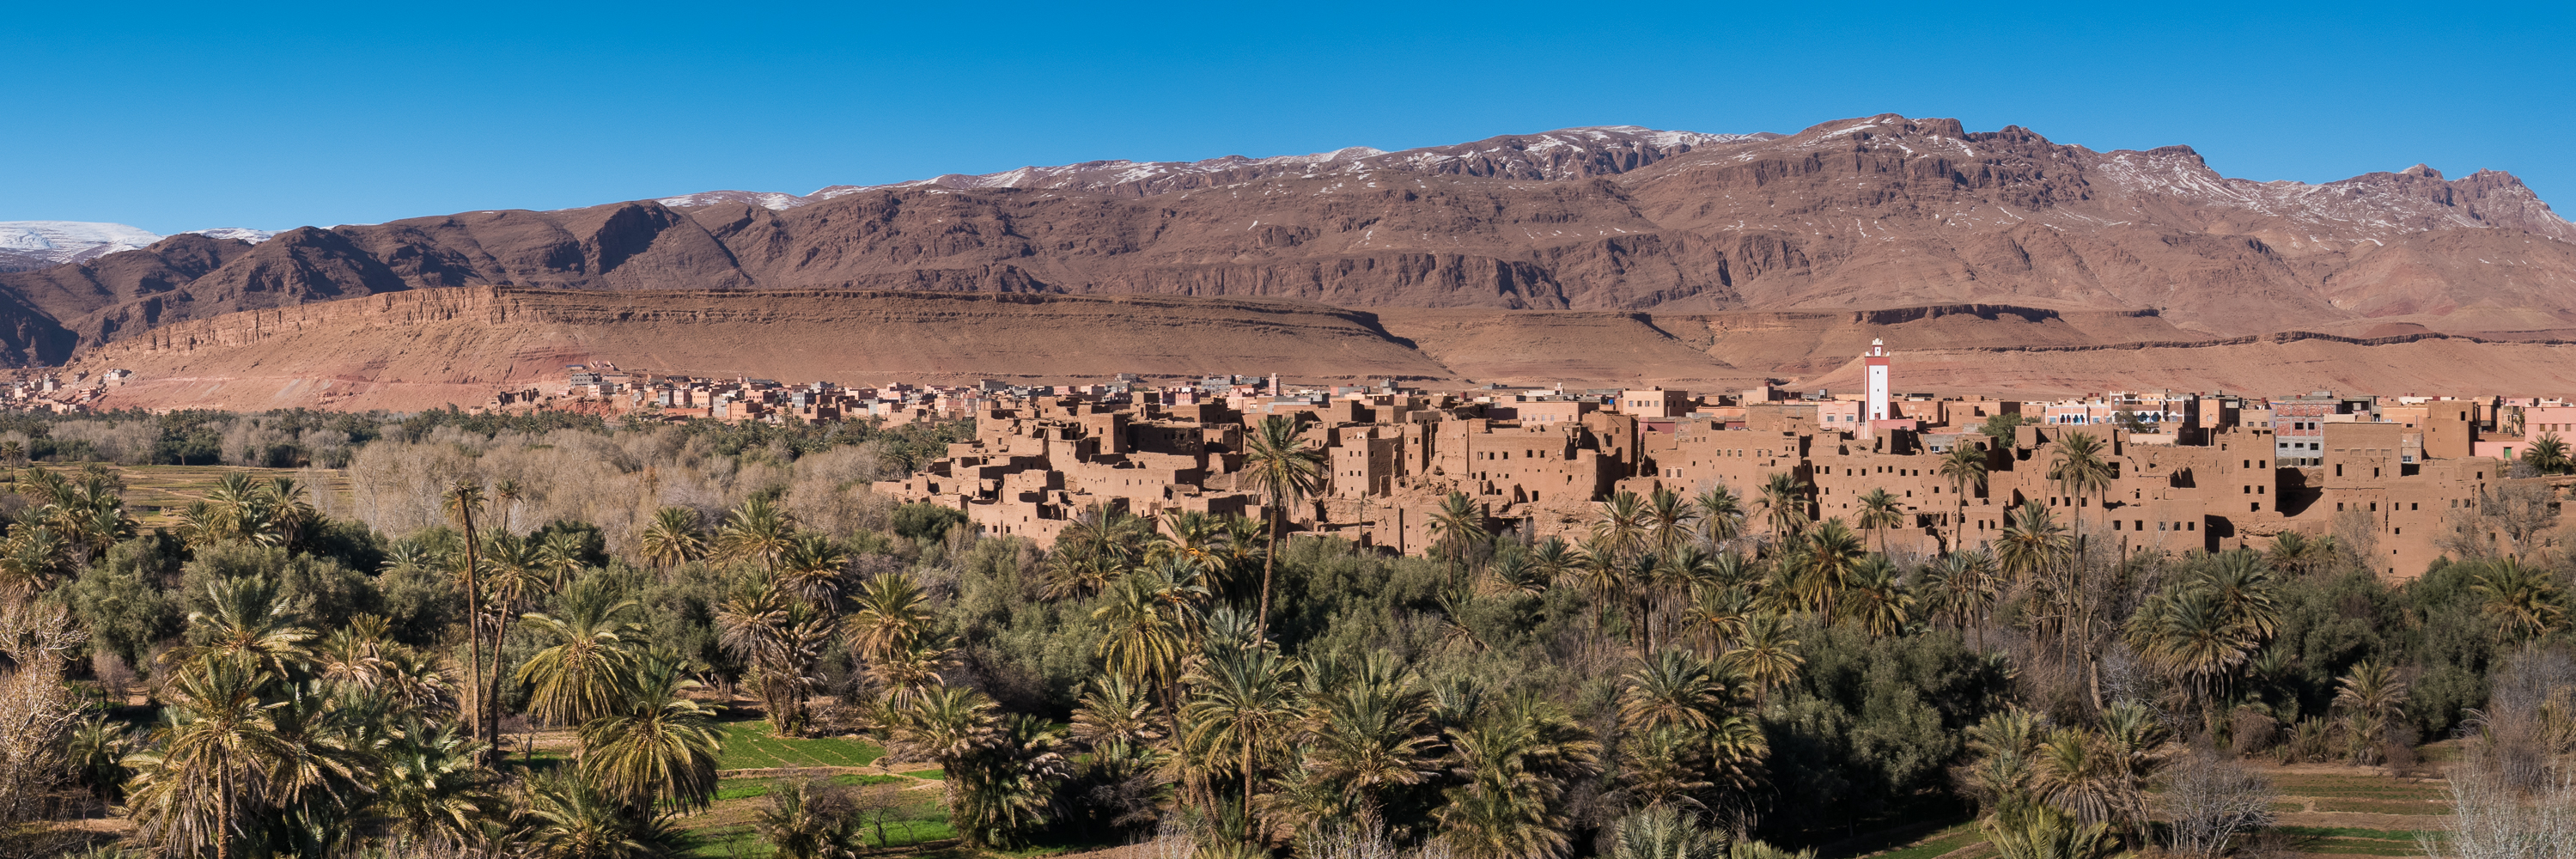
[(2505, 522), (2356, 537), (2211, 800), (36, 709), (2493, 820)]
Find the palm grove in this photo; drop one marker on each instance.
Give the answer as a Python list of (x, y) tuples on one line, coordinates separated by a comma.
[(1701, 675)]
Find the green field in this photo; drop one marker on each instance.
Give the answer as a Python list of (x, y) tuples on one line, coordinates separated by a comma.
[(154, 494), (749, 745), (754, 788), (909, 825), (1940, 843), (2346, 841)]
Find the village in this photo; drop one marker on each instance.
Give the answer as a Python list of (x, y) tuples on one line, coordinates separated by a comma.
[(2191, 471), (2204, 471)]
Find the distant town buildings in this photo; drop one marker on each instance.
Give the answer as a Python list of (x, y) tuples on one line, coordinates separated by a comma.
[(2190, 470)]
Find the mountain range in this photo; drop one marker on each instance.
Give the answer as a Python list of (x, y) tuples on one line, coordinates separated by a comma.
[(28, 245), (1863, 214)]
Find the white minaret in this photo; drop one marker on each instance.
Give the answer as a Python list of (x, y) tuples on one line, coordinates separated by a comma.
[(1877, 359)]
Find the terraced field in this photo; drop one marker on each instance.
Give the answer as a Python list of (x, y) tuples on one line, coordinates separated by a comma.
[(154, 494), (2324, 810), (750, 745)]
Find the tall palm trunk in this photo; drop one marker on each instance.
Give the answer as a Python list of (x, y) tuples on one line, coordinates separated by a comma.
[(1180, 746), (1959, 528), (1248, 740), (1278, 522), (2092, 661), (492, 682), (223, 824), (474, 634)]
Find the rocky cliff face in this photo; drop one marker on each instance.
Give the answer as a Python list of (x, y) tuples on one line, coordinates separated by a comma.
[(1866, 213)]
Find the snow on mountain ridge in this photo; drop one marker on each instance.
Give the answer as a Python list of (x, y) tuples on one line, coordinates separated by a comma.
[(71, 236), (2369, 206), (243, 233), (36, 244), (1545, 155)]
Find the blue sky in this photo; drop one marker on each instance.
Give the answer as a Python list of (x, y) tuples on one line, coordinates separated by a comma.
[(174, 117)]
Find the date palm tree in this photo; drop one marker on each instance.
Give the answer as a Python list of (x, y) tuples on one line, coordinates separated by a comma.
[(1008, 787), (782, 638), (1598, 573), (1825, 558), (2039, 832), (33, 560), (1784, 504), (756, 530), (2248, 590), (1717, 618), (1962, 585), (1277, 461), (1660, 771), (1243, 700), (1460, 525), (892, 611), (673, 538), (1668, 520), (1623, 526), (811, 568), (2374, 695), (1877, 598), (428, 783), (945, 726), (95, 756), (1767, 655), (2189, 634), (508, 493), (574, 818), (217, 750), (463, 500), (512, 575), (2138, 747), (591, 651), (1721, 516), (2080, 471), (808, 819), (562, 555), (1553, 558), (1880, 511), (660, 747), (1113, 710), (2295, 554), (1513, 572), (2076, 773), (2031, 544), (1516, 764), (2548, 455), (1144, 642), (1673, 689), (1239, 549), (1964, 466), (2523, 601), (1078, 575), (1369, 734), (249, 618), (911, 671)]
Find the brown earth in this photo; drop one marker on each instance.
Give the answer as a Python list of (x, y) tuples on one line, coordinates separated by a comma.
[(426, 348)]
